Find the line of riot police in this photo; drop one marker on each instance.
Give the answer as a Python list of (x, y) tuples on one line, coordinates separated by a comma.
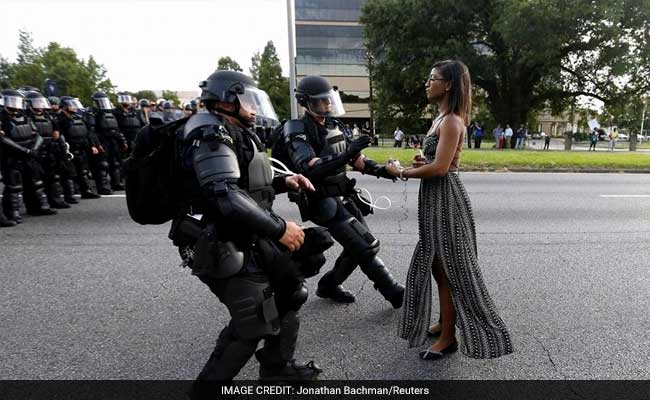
[(53, 148)]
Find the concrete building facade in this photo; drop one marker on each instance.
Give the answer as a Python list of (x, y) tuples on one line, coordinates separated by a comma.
[(330, 43)]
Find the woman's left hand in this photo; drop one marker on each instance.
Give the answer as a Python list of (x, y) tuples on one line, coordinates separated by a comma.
[(393, 168)]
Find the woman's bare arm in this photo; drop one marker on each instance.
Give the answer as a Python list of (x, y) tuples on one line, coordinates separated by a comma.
[(450, 131)]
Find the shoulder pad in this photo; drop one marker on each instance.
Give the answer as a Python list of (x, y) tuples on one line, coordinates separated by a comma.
[(295, 129), (201, 119)]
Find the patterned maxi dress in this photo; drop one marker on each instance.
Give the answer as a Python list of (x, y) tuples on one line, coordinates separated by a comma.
[(446, 228)]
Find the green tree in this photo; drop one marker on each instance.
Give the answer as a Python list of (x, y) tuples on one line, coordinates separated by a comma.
[(266, 70), (525, 55), (73, 76), (171, 95), (227, 63), (146, 94), (28, 69)]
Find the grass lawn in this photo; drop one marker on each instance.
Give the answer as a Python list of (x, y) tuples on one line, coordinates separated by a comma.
[(527, 159)]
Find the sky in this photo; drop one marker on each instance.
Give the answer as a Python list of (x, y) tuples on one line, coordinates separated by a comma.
[(151, 44)]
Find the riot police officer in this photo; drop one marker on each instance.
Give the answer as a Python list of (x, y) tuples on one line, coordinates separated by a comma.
[(82, 143), (53, 154), (127, 118), (108, 162), (21, 171), (168, 112), (143, 111), (55, 104), (228, 179), (194, 105), (319, 149)]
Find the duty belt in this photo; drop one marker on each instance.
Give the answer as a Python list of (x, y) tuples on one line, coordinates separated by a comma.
[(340, 186)]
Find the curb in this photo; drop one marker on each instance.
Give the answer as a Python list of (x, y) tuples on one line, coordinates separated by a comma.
[(559, 170)]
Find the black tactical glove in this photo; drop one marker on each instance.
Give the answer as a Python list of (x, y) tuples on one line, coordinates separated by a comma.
[(383, 173)]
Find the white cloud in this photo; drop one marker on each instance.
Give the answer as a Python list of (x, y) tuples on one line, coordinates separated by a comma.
[(146, 44)]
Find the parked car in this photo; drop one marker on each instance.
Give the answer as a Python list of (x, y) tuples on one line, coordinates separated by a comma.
[(623, 136)]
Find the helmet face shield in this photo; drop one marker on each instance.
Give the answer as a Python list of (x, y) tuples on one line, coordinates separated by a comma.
[(257, 101), (14, 102), (103, 103), (72, 105), (40, 103), (124, 99), (326, 104)]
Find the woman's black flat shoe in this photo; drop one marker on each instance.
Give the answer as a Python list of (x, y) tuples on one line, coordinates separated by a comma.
[(436, 355), (433, 334)]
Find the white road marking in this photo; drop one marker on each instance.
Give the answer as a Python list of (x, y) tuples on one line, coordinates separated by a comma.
[(626, 195)]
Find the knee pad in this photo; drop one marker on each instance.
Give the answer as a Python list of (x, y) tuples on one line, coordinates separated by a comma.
[(252, 307), (300, 296), (355, 238)]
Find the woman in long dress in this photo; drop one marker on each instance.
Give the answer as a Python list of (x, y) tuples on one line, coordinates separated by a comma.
[(447, 236)]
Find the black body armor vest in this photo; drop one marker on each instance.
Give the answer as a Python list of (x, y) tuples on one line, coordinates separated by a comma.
[(43, 126)]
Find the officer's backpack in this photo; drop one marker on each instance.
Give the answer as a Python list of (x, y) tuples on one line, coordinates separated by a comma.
[(152, 174)]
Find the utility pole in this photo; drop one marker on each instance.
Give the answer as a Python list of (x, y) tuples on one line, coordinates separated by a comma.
[(292, 58)]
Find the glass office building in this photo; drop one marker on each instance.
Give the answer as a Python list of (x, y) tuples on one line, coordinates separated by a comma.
[(330, 43)]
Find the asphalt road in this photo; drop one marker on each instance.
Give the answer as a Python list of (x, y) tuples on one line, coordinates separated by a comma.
[(89, 294)]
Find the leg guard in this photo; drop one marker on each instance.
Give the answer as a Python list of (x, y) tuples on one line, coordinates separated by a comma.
[(116, 178), (251, 303), (353, 235), (101, 178), (329, 286), (68, 191), (87, 185), (13, 182), (36, 200), (228, 357), (384, 281), (276, 357), (54, 192), (11, 203)]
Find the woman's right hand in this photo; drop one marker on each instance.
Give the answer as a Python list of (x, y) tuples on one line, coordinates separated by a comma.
[(418, 161)]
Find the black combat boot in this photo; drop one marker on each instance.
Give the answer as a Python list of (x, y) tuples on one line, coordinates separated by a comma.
[(55, 195), (11, 206), (285, 370), (329, 286), (276, 357), (4, 222), (68, 191), (384, 281), (116, 179), (87, 187), (37, 204)]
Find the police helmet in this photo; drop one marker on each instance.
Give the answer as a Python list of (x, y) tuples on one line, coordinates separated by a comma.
[(37, 102), (317, 95), (236, 88), (13, 100), (71, 104), (124, 98), (144, 103), (54, 100), (101, 101)]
